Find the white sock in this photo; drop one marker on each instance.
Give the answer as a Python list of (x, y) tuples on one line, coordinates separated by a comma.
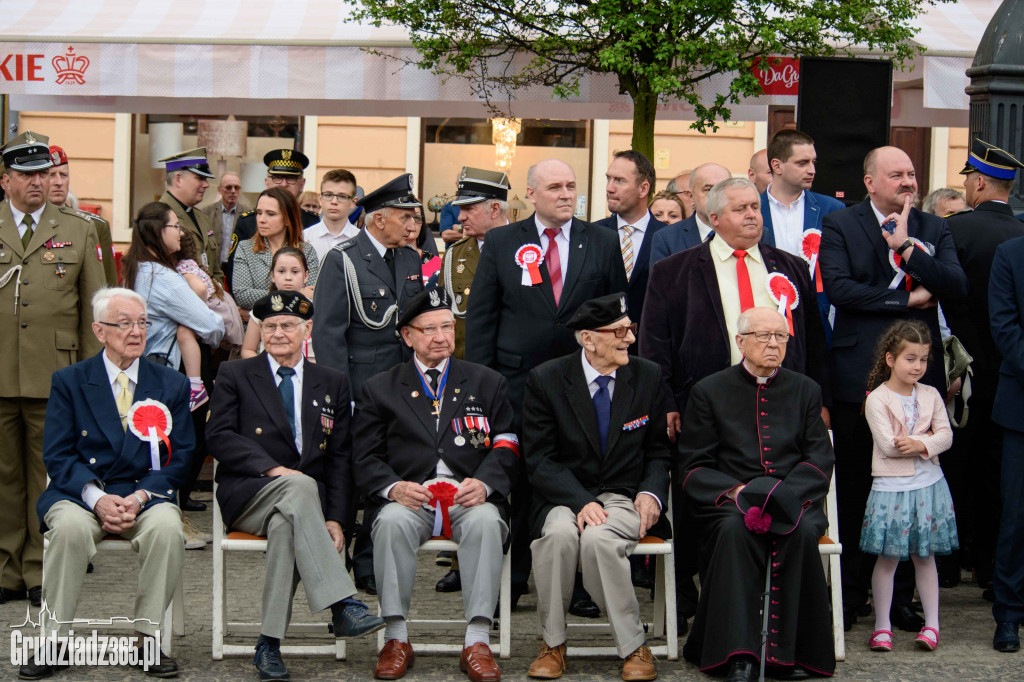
[(396, 628), (478, 631), (195, 383)]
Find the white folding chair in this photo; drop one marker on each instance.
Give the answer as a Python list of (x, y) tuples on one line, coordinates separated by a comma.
[(243, 542), (504, 648), (173, 615), (830, 550)]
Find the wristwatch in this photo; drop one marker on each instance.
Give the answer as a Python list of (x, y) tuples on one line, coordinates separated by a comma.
[(904, 245)]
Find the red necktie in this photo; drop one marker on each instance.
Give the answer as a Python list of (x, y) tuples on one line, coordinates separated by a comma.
[(743, 280), (554, 264)]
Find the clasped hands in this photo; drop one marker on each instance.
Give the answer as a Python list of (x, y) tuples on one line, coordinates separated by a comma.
[(593, 514), (117, 514)]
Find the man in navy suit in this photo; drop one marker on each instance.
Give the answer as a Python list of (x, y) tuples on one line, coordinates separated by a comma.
[(790, 209), (693, 230), (869, 294), (631, 179), (104, 479)]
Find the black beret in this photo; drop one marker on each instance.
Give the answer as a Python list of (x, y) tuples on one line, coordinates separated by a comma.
[(435, 298), (598, 312), (283, 303)]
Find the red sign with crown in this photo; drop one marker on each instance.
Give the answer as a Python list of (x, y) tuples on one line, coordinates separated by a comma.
[(70, 67)]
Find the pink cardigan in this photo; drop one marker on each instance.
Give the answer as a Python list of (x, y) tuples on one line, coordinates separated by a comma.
[(884, 413)]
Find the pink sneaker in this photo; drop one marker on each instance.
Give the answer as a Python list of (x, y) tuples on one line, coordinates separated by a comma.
[(926, 642), (877, 644), (197, 397)]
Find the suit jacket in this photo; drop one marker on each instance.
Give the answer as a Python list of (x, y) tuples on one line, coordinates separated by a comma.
[(83, 440), (641, 264), (1006, 307), (683, 327), (856, 272), (513, 328), (201, 230), (340, 339), (563, 449), (816, 207), (675, 238), (248, 433), (398, 439), (49, 326), (216, 213), (977, 234)]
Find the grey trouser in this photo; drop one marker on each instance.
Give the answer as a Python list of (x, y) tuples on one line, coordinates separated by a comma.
[(601, 552), (287, 512)]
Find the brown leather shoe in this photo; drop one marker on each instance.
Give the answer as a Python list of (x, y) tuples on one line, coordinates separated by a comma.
[(395, 658), (478, 663), (549, 664), (639, 665)]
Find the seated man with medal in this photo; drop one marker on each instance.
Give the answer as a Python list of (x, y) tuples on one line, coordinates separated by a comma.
[(436, 455)]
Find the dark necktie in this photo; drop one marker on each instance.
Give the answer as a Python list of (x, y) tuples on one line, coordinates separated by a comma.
[(287, 389), (554, 263), (433, 374), (389, 258), (743, 281), (603, 410), (27, 237)]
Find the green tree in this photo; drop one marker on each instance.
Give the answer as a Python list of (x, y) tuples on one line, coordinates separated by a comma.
[(659, 50)]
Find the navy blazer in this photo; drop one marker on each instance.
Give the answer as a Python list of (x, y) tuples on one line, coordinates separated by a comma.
[(675, 238), (83, 440), (1006, 310), (856, 272), (641, 264)]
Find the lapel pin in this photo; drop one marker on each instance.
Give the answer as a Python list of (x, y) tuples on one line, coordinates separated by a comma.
[(327, 399), (314, 404), (458, 390), (415, 394)]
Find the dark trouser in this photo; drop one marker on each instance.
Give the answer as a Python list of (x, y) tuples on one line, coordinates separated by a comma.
[(684, 544), (522, 558), (1008, 579), (199, 423), (984, 438)]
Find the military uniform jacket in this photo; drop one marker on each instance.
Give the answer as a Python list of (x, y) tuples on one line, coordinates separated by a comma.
[(248, 432), (341, 338), (84, 441), (202, 232), (563, 449), (457, 269), (106, 243), (45, 308), (399, 439)]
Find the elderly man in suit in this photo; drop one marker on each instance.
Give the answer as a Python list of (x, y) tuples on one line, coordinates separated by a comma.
[(427, 427), (224, 212), (690, 232), (599, 465), (630, 182), (729, 417), (881, 260), (530, 279), (105, 478), (279, 427)]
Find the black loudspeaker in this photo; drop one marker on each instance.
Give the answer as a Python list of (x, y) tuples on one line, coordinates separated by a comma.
[(846, 106)]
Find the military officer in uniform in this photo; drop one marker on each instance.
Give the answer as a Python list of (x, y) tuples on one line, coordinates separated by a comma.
[(49, 271), (188, 176), (60, 189), (482, 201), (363, 283)]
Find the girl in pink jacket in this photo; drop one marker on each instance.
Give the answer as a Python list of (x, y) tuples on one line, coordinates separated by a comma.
[(909, 511)]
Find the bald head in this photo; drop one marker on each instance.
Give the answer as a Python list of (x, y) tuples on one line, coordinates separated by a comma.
[(890, 178), (705, 177), (760, 171), (230, 188), (551, 188)]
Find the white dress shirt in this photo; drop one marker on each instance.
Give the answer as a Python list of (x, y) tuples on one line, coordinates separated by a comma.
[(323, 240), (788, 223), (561, 242), (297, 385), (637, 236), (703, 229), (92, 492)]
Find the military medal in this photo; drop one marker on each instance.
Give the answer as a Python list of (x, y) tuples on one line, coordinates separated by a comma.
[(435, 396), (48, 256), (373, 306), (60, 270), (460, 441), (461, 267)]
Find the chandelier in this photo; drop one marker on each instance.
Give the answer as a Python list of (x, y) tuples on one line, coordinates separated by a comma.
[(504, 132)]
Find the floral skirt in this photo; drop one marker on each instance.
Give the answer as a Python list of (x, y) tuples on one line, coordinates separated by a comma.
[(919, 522)]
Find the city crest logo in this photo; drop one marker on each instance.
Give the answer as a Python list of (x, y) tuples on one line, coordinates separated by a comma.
[(70, 67)]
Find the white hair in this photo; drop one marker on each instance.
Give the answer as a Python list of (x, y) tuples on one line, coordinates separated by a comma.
[(102, 298), (716, 197), (383, 213)]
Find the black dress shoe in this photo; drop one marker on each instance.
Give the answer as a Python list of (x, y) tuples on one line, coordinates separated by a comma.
[(451, 582), (351, 618), (367, 584), (7, 595), (164, 669), (35, 596), (584, 608), (849, 618), (640, 574), (269, 665), (742, 669), (193, 506), (31, 671), (795, 672), (1007, 638), (989, 595), (905, 618), (90, 568)]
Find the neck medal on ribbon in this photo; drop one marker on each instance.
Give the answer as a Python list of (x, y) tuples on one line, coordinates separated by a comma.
[(435, 396)]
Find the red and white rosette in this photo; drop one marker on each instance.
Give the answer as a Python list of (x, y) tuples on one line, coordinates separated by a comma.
[(896, 261), (443, 490), (150, 421), (785, 295), (529, 257), (810, 245)]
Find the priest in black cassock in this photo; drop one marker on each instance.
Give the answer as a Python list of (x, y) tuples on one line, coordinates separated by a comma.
[(753, 420)]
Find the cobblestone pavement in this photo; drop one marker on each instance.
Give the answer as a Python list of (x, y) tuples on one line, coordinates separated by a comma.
[(965, 652)]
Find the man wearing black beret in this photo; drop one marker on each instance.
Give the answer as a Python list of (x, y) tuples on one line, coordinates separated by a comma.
[(598, 460), (279, 427)]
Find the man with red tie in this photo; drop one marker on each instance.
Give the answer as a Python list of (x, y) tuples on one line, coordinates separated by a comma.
[(530, 279)]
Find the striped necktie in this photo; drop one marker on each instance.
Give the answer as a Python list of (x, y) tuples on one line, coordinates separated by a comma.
[(626, 247)]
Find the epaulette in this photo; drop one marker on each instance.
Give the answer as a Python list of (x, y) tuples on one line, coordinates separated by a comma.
[(248, 213), (84, 215), (464, 239), (966, 210), (348, 243)]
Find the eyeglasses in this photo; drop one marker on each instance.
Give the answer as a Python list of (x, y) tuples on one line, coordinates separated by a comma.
[(176, 226), (286, 327), (620, 332), (126, 325), (283, 180), (446, 328), (231, 188), (341, 198), (781, 338)]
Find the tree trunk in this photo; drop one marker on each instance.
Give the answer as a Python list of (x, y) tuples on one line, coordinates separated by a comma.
[(645, 111)]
